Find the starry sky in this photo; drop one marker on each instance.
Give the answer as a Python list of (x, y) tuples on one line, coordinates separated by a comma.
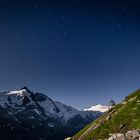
[(79, 52)]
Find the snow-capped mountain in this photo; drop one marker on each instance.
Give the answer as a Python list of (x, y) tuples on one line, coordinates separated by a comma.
[(100, 108), (38, 116)]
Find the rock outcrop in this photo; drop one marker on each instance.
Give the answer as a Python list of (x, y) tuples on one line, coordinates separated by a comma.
[(130, 135)]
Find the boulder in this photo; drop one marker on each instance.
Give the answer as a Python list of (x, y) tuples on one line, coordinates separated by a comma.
[(130, 135), (133, 134)]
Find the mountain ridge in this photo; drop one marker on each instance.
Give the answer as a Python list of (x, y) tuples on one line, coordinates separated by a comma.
[(38, 116)]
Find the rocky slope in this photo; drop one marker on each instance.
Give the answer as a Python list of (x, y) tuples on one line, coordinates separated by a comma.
[(121, 118), (28, 115)]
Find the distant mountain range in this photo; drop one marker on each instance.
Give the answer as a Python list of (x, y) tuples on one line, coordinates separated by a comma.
[(121, 122), (34, 116)]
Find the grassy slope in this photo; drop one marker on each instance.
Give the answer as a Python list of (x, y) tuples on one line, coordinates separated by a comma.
[(122, 117)]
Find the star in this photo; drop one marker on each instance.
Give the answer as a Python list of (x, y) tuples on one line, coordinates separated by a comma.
[(123, 8), (2, 9), (48, 2), (3, 31), (62, 17), (119, 24), (6, 77), (61, 24), (35, 6), (65, 32), (108, 42), (15, 14)]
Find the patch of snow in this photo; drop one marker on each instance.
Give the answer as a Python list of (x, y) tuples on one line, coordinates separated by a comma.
[(51, 124), (99, 108), (66, 112), (48, 106), (36, 110), (18, 92)]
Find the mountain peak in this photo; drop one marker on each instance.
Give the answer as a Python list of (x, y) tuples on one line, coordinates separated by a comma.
[(25, 88), (20, 92)]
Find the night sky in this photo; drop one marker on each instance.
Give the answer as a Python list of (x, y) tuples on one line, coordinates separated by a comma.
[(79, 52)]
